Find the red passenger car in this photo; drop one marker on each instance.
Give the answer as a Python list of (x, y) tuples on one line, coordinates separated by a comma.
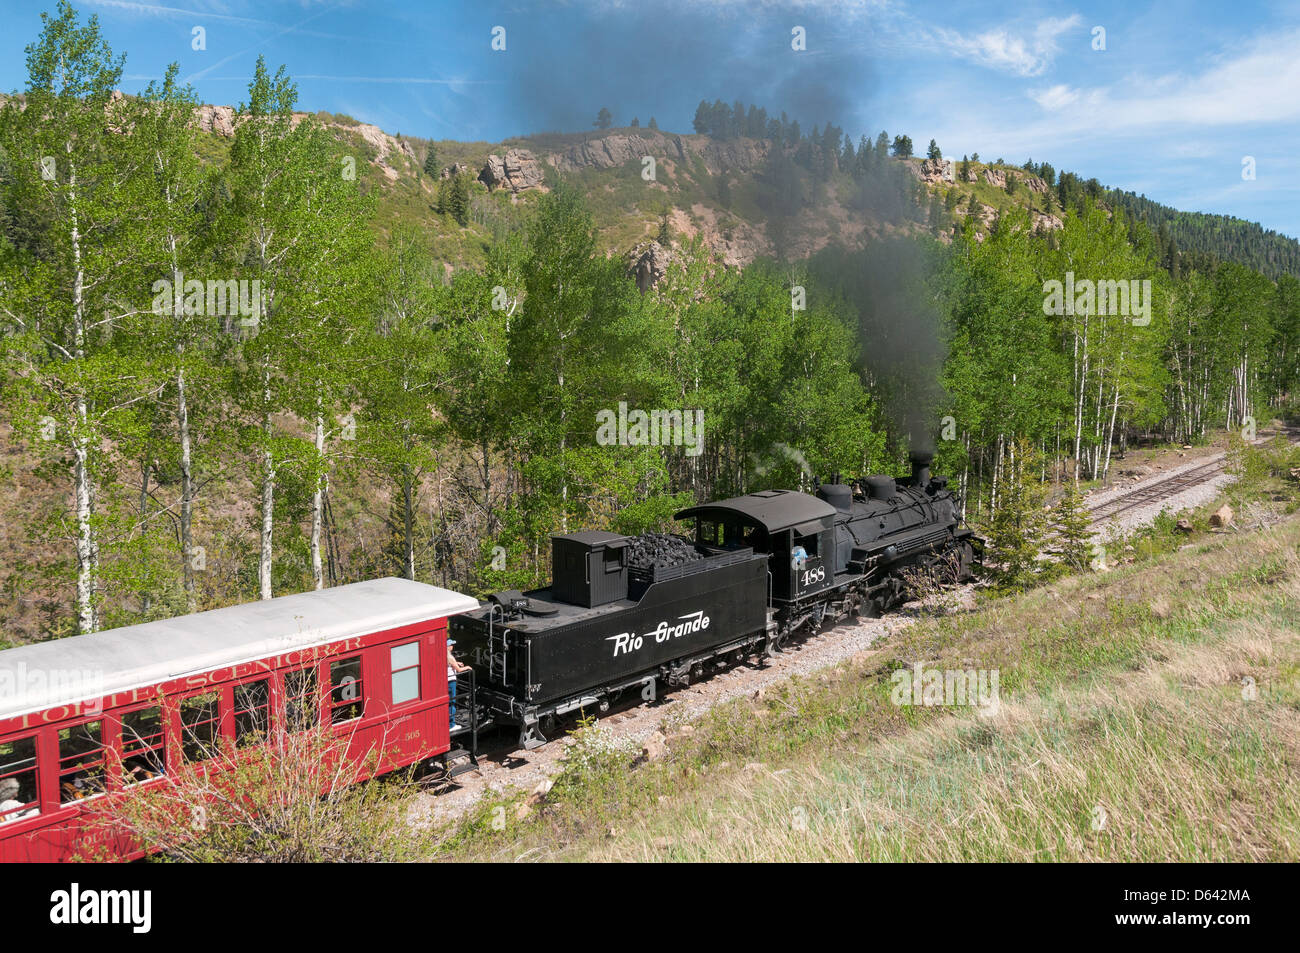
[(85, 716)]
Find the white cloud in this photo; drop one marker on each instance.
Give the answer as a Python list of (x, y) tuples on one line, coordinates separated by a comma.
[(1055, 97), (1261, 84), (1257, 83), (153, 9), (1008, 49)]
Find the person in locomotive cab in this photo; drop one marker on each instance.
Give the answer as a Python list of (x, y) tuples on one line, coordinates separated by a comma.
[(454, 667)]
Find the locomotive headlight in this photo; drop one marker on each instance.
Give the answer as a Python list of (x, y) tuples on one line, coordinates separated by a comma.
[(891, 553)]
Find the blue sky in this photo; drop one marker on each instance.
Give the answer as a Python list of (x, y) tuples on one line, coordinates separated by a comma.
[(1180, 95)]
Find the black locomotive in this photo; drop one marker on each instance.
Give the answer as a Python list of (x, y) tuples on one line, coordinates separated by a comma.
[(627, 613)]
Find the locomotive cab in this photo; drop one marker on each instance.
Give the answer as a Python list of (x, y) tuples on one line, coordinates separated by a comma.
[(794, 530), (805, 549)]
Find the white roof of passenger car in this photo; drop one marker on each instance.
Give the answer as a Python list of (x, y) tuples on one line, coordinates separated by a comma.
[(65, 671)]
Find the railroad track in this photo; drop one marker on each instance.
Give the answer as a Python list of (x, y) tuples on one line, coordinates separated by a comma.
[(1174, 485), (1161, 489)]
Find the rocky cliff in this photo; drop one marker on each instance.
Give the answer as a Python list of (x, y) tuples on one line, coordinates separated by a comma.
[(721, 192)]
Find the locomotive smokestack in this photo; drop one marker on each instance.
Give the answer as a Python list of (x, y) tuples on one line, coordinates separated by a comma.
[(921, 467)]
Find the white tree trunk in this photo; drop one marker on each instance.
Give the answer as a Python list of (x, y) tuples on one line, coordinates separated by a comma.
[(187, 493), (268, 516), (86, 621), (408, 519), (83, 490), (318, 506)]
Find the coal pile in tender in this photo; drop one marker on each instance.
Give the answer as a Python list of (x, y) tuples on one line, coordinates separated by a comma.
[(659, 551)]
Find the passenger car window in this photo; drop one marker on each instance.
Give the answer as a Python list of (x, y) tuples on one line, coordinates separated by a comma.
[(144, 753), (252, 712), (200, 726), (345, 689), (81, 761), (302, 701), (19, 790), (406, 672)]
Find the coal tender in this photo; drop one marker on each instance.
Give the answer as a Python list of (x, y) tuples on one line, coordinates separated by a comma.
[(622, 613)]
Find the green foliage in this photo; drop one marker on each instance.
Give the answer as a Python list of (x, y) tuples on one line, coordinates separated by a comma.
[(72, 310), (453, 199), (1016, 531), (1072, 527)]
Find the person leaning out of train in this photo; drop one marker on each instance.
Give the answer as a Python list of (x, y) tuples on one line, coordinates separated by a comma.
[(455, 667)]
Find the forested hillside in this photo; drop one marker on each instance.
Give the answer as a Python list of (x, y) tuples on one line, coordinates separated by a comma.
[(1220, 237), (284, 355)]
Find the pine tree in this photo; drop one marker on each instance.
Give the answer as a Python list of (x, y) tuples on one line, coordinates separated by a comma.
[(1073, 530), (1017, 528), (936, 211), (701, 121), (431, 166), (604, 119), (933, 153), (636, 123), (652, 124), (457, 201)]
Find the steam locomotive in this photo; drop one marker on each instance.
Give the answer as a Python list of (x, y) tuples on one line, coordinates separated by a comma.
[(628, 613)]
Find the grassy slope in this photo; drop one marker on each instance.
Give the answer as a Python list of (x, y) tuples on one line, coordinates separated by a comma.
[(1121, 693)]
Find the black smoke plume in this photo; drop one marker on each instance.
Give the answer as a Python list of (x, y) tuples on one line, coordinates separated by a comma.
[(564, 62), (889, 286)]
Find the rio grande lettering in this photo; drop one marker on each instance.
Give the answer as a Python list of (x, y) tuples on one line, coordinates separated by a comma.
[(627, 642)]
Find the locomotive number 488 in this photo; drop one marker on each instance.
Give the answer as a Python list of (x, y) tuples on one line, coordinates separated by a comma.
[(813, 576)]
